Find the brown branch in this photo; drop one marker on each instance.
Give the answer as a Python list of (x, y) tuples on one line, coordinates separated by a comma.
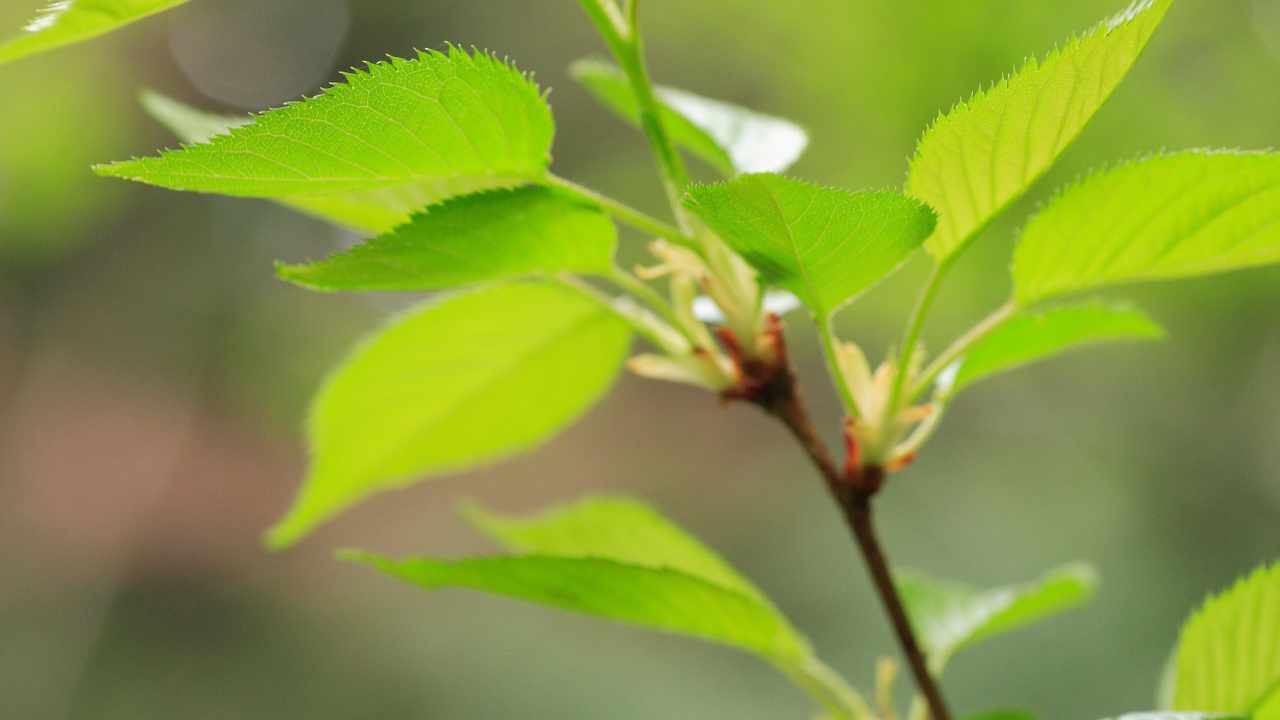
[(775, 390)]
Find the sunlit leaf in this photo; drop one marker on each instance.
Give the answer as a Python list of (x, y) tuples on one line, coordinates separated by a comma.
[(619, 559), (731, 139), (471, 239), (826, 245), (439, 118), (371, 211), (64, 22), (1228, 657), (1169, 216), (453, 384), (949, 616), (1029, 337), (982, 155)]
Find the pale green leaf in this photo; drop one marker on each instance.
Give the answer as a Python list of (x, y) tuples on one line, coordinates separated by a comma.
[(1170, 216), (980, 157), (826, 245), (949, 616), (730, 138), (472, 239), (1029, 337), (65, 22), (1228, 656), (372, 211), (453, 384), (614, 528), (653, 597), (438, 118), (620, 559)]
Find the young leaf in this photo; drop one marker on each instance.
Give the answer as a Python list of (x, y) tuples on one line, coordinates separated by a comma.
[(472, 239), (826, 245), (731, 139), (453, 384), (1228, 657), (1028, 337), (980, 157), (438, 118), (653, 597), (371, 211), (615, 528), (1165, 217), (949, 616), (619, 559), (65, 22)]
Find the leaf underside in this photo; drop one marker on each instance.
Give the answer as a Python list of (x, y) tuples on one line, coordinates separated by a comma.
[(949, 616), (452, 384), (1228, 656), (826, 245), (982, 155), (1029, 337), (440, 118), (730, 138), (71, 21), (1170, 216), (472, 239), (619, 559)]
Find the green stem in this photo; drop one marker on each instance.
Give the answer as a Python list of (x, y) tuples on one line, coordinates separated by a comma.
[(832, 353), (961, 346), (624, 213), (622, 37), (827, 688), (911, 337), (652, 298), (644, 322)]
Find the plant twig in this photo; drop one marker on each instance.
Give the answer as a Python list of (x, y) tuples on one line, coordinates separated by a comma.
[(624, 213), (780, 397), (961, 346)]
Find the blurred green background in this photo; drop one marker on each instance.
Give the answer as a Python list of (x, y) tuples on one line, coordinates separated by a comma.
[(154, 376)]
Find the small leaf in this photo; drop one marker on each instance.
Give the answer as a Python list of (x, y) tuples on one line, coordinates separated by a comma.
[(619, 559), (472, 239), (980, 157), (71, 21), (438, 118), (826, 245), (1029, 337), (731, 139), (1228, 657), (1170, 216), (371, 211), (453, 384), (949, 616), (653, 597)]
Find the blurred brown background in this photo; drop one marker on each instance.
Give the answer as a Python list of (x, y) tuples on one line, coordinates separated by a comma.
[(153, 377)]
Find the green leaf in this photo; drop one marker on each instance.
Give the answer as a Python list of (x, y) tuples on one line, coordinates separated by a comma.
[(472, 239), (372, 211), (1028, 337), (1228, 657), (826, 245), (730, 138), (980, 157), (949, 616), (619, 559), (71, 21), (453, 384), (1170, 216), (436, 119)]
